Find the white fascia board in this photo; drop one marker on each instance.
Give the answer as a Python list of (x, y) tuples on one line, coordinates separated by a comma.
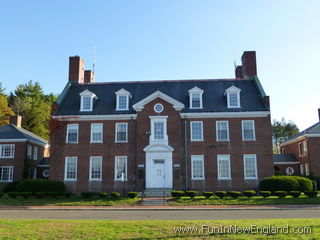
[(280, 163), (297, 139), (95, 117), (23, 140), (225, 114)]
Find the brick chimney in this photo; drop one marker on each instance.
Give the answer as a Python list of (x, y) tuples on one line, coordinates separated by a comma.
[(16, 120), (238, 72), (88, 76), (249, 64), (76, 69)]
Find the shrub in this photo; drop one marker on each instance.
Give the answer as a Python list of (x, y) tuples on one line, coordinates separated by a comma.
[(192, 194), (221, 194), (234, 194), (279, 183), (87, 194), (13, 194), (249, 193), (132, 194), (25, 194), (1, 194), (40, 185), (305, 184), (103, 194), (280, 194), (207, 194), (10, 187), (295, 194), (115, 194), (177, 194), (68, 194), (40, 194), (311, 194), (53, 194), (265, 194)]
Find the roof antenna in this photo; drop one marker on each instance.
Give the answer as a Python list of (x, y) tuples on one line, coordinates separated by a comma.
[(94, 58)]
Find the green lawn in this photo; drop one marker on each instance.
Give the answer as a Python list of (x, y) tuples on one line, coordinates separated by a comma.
[(107, 229), (258, 200)]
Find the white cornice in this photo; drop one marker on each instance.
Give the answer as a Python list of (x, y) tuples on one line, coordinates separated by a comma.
[(158, 148), (283, 163), (95, 117), (16, 140), (232, 89), (87, 93), (195, 90), (158, 94), (225, 114), (122, 91), (299, 138)]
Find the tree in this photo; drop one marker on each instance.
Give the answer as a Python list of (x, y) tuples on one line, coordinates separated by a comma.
[(5, 110), (281, 131)]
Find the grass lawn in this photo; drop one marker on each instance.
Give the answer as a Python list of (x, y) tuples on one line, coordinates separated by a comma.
[(73, 201), (107, 229), (258, 200)]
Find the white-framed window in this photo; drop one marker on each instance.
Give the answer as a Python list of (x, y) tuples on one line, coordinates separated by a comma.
[(122, 101), (86, 101), (233, 97), (96, 133), (302, 148), (224, 169), (6, 173), (7, 150), (195, 98), (72, 133), (248, 130), (250, 166), (120, 169), (29, 151), (197, 167), (70, 173), (95, 170), (158, 108), (35, 153), (196, 130), (222, 130), (158, 128), (121, 132)]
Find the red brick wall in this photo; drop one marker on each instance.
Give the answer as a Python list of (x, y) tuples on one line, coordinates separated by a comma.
[(293, 148), (314, 155)]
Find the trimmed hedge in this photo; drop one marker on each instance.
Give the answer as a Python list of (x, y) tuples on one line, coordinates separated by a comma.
[(132, 194), (286, 183), (234, 194), (265, 194), (177, 194), (25, 194), (1, 194), (249, 193), (103, 194), (115, 194), (221, 194), (295, 194), (68, 194), (53, 194), (13, 194), (40, 194), (87, 194), (207, 194), (311, 194), (10, 187), (192, 194), (280, 194), (40, 185)]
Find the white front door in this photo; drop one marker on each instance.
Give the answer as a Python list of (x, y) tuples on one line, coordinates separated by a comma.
[(159, 173)]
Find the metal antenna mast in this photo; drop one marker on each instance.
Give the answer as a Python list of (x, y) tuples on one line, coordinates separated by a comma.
[(94, 58)]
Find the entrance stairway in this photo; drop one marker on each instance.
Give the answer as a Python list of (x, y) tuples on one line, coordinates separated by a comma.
[(153, 202), (157, 192)]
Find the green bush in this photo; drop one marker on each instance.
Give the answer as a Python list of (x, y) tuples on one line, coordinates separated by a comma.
[(132, 194), (311, 194), (221, 194), (87, 194), (1, 194), (295, 194), (234, 194), (40, 194), (279, 183), (192, 194), (115, 194), (25, 194), (249, 193), (40, 185), (177, 194), (13, 194), (280, 194), (103, 195), (68, 194), (10, 187), (207, 194), (265, 194), (53, 194)]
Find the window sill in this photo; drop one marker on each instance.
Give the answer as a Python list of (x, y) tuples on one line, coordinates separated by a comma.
[(96, 142), (250, 178), (95, 180), (197, 179), (72, 142), (222, 179), (192, 140), (6, 181), (121, 142), (223, 140), (120, 180), (70, 180), (249, 140)]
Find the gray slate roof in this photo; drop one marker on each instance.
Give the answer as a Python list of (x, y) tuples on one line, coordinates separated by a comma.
[(284, 158), (213, 96), (11, 131), (314, 129)]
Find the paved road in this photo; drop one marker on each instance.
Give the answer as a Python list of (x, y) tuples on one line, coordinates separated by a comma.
[(158, 214)]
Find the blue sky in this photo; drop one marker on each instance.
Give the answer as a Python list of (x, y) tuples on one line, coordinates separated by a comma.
[(168, 39)]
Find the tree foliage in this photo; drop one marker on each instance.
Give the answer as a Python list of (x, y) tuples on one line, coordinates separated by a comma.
[(5, 110), (281, 131)]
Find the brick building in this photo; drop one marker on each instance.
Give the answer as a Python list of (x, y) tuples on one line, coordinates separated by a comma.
[(305, 147), (186, 134), (17, 145)]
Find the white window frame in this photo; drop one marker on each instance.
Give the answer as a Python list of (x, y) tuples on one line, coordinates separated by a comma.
[(231, 90), (35, 153), (254, 130), (92, 158), (162, 119), (197, 158), (65, 169), (92, 132), (244, 166), (307, 169), (12, 151), (86, 93), (125, 93), (191, 127), (29, 151), (224, 157), (116, 131), (193, 91), (115, 168), (10, 173), (217, 135), (69, 126)]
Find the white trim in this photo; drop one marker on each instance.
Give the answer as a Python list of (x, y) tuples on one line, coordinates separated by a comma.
[(162, 119), (297, 139), (65, 169), (122, 91), (90, 168), (228, 135), (11, 174), (95, 117), (254, 130), (197, 158), (12, 151), (115, 168), (118, 102), (35, 153), (228, 91), (195, 90), (91, 133), (155, 106), (67, 137), (301, 152), (225, 114), (158, 94), (280, 163), (244, 166), (15, 140), (91, 95), (218, 166), (116, 130), (191, 136), (29, 151)]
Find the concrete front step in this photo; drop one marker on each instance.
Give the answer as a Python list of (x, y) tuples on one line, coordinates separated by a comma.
[(153, 202), (157, 192)]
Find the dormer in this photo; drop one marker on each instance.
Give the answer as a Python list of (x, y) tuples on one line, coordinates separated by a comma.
[(122, 101), (233, 97), (86, 103), (195, 98)]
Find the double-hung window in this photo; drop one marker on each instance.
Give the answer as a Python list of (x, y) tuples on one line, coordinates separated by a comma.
[(121, 132), (29, 151), (120, 168), (233, 97), (158, 128), (7, 150), (195, 97), (86, 103), (196, 131), (250, 166), (222, 130), (6, 173), (224, 170), (122, 101), (95, 172), (72, 133), (96, 132), (197, 167), (35, 153), (248, 130), (70, 169)]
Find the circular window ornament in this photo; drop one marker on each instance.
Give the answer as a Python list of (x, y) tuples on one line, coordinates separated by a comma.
[(158, 108), (45, 173), (289, 170)]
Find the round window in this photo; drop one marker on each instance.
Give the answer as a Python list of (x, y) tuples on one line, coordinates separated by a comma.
[(289, 170), (158, 108), (45, 173)]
